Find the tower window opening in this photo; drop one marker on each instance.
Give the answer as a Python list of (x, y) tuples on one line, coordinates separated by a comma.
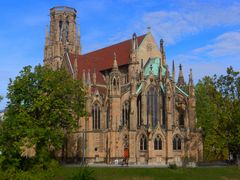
[(60, 30), (67, 31)]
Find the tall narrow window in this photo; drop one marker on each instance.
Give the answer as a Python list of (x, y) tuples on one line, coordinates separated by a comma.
[(139, 111), (125, 113), (163, 111), (96, 116), (181, 119), (152, 106), (67, 30), (177, 143), (143, 142), (107, 117), (60, 30), (157, 143)]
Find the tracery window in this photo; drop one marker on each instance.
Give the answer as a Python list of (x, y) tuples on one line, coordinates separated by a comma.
[(177, 143), (125, 113), (96, 114), (143, 143), (152, 106), (157, 143)]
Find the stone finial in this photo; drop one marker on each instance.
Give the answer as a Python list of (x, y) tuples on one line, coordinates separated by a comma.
[(190, 78), (94, 76), (181, 81), (115, 65), (89, 78), (162, 51), (134, 42), (84, 77), (173, 71)]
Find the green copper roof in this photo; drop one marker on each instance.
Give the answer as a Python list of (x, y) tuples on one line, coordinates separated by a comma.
[(152, 66), (178, 88), (139, 89)]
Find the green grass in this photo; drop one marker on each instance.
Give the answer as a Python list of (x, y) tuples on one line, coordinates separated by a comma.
[(125, 173)]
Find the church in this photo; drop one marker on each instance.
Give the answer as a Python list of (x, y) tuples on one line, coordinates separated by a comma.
[(137, 109)]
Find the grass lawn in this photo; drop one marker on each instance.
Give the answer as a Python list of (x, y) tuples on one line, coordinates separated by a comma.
[(113, 173)]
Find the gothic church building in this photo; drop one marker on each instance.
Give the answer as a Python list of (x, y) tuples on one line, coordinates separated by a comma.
[(137, 108)]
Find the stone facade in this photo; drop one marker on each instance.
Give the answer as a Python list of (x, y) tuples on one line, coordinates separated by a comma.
[(137, 110)]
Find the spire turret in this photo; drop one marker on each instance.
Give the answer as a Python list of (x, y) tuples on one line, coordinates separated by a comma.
[(84, 77), (173, 71), (181, 81), (75, 67), (115, 65), (94, 77), (162, 51), (89, 78)]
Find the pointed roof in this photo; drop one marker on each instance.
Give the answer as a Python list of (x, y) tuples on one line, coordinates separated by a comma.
[(102, 59)]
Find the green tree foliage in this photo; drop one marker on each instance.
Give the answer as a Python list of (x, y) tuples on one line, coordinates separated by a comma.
[(218, 113), (43, 106)]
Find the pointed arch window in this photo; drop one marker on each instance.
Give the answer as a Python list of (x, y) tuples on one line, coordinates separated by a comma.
[(181, 119), (143, 142), (152, 106), (125, 113), (96, 115), (60, 30), (157, 143), (177, 143), (67, 30)]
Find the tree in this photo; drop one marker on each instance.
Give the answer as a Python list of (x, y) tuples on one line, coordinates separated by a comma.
[(218, 102), (43, 105)]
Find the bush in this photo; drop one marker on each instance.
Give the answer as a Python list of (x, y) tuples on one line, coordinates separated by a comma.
[(172, 166), (85, 173)]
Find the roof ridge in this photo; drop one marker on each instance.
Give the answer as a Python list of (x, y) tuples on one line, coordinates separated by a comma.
[(112, 45)]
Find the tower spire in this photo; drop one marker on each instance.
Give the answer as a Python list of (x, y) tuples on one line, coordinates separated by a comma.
[(89, 78), (115, 65), (94, 76), (181, 81), (190, 83), (162, 51), (173, 71), (84, 77), (134, 42)]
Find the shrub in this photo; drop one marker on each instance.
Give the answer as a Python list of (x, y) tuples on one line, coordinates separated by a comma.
[(172, 166), (85, 173)]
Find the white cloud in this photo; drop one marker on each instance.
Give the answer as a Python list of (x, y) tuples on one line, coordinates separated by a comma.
[(227, 44), (174, 25)]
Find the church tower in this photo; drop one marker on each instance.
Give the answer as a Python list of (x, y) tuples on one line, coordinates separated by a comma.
[(62, 36)]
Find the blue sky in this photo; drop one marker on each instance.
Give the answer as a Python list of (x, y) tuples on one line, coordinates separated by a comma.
[(202, 35)]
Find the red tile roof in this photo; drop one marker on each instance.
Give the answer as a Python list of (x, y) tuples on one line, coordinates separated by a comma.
[(102, 59)]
